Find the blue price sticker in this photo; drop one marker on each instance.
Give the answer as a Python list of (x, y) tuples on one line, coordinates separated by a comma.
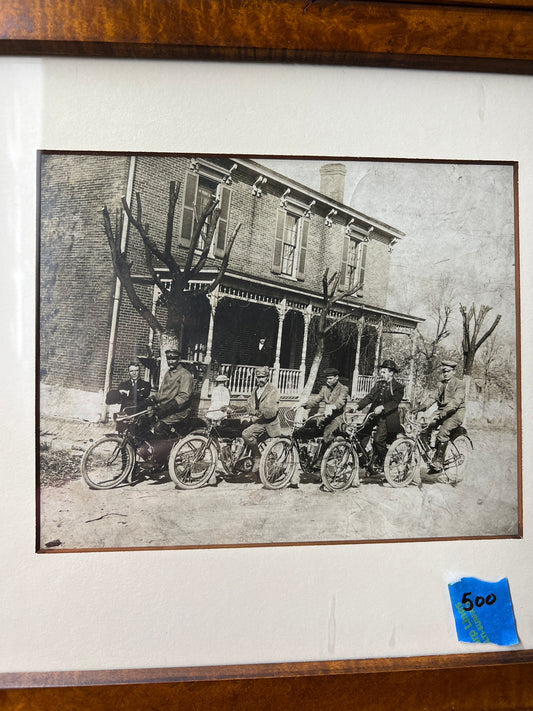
[(483, 611)]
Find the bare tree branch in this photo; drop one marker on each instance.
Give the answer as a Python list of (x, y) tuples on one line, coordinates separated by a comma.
[(174, 191), (208, 210), (202, 259), (225, 260), (167, 258), (123, 272), (472, 340)]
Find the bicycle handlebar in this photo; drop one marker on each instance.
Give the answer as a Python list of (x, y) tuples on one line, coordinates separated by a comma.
[(125, 418)]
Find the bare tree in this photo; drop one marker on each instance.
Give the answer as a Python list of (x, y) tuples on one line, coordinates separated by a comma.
[(472, 340), (496, 370), (325, 323), (441, 303), (158, 253)]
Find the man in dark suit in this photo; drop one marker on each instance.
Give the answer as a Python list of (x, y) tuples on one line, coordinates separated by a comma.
[(384, 399), (263, 354), (131, 394)]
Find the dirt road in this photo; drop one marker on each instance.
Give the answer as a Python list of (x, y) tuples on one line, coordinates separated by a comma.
[(154, 514)]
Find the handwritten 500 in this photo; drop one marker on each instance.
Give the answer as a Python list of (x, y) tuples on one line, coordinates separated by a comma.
[(469, 604)]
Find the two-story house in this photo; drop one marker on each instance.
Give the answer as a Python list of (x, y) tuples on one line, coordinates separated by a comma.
[(271, 292)]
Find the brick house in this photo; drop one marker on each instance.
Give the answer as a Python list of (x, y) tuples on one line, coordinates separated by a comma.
[(271, 290)]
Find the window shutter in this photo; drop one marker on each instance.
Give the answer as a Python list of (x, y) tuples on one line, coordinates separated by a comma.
[(362, 264), (223, 220), (300, 274), (278, 242), (188, 217), (344, 264)]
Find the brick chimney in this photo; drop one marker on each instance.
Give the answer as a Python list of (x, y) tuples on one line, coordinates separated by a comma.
[(332, 178)]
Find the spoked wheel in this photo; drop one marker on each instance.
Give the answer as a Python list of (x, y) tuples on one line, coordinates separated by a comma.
[(107, 462), (340, 466), (278, 463), (192, 461), (401, 463), (456, 458)]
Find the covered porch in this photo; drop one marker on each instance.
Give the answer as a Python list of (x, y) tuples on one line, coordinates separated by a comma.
[(241, 327)]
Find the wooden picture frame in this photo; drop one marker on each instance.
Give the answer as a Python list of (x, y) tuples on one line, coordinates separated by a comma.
[(485, 36)]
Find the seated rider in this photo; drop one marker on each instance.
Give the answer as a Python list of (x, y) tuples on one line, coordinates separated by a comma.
[(220, 399), (384, 399), (263, 406), (334, 395), (450, 400), (172, 402), (131, 394)]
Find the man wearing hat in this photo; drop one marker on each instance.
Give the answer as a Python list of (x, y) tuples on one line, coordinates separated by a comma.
[(334, 395), (172, 401), (384, 400), (263, 405), (220, 398), (450, 401)]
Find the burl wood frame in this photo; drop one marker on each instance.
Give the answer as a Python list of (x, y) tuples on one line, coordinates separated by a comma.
[(473, 35)]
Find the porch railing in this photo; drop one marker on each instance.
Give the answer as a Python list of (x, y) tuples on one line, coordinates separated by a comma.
[(366, 382), (242, 381)]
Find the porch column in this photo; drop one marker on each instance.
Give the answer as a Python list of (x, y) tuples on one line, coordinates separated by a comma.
[(213, 298), (281, 308), (307, 314), (355, 377), (379, 330)]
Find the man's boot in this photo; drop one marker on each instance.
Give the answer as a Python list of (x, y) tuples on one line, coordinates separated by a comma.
[(437, 463)]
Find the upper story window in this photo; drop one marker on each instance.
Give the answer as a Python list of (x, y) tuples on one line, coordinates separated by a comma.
[(290, 243), (353, 263), (203, 181), (205, 193)]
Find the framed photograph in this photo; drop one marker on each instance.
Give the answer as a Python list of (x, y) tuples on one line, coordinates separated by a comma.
[(345, 294), (149, 582)]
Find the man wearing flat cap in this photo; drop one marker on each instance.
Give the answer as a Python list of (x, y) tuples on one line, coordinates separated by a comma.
[(334, 395), (263, 405), (384, 400), (172, 401), (450, 401)]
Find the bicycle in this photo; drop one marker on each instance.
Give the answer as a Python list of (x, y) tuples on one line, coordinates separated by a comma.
[(282, 455), (341, 461), (193, 460), (407, 454), (114, 458)]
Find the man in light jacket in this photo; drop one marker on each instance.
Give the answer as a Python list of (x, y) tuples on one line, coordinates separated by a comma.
[(172, 402), (450, 401), (263, 405)]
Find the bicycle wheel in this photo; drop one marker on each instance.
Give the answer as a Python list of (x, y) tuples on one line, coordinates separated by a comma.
[(401, 463), (456, 458), (192, 461), (278, 463), (339, 466), (107, 462)]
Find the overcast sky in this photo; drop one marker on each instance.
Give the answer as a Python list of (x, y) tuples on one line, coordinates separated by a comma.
[(458, 220)]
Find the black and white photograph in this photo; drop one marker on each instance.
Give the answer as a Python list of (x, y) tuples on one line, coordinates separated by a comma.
[(240, 350)]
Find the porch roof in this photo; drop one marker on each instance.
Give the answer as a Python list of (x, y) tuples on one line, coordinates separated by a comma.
[(240, 286)]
